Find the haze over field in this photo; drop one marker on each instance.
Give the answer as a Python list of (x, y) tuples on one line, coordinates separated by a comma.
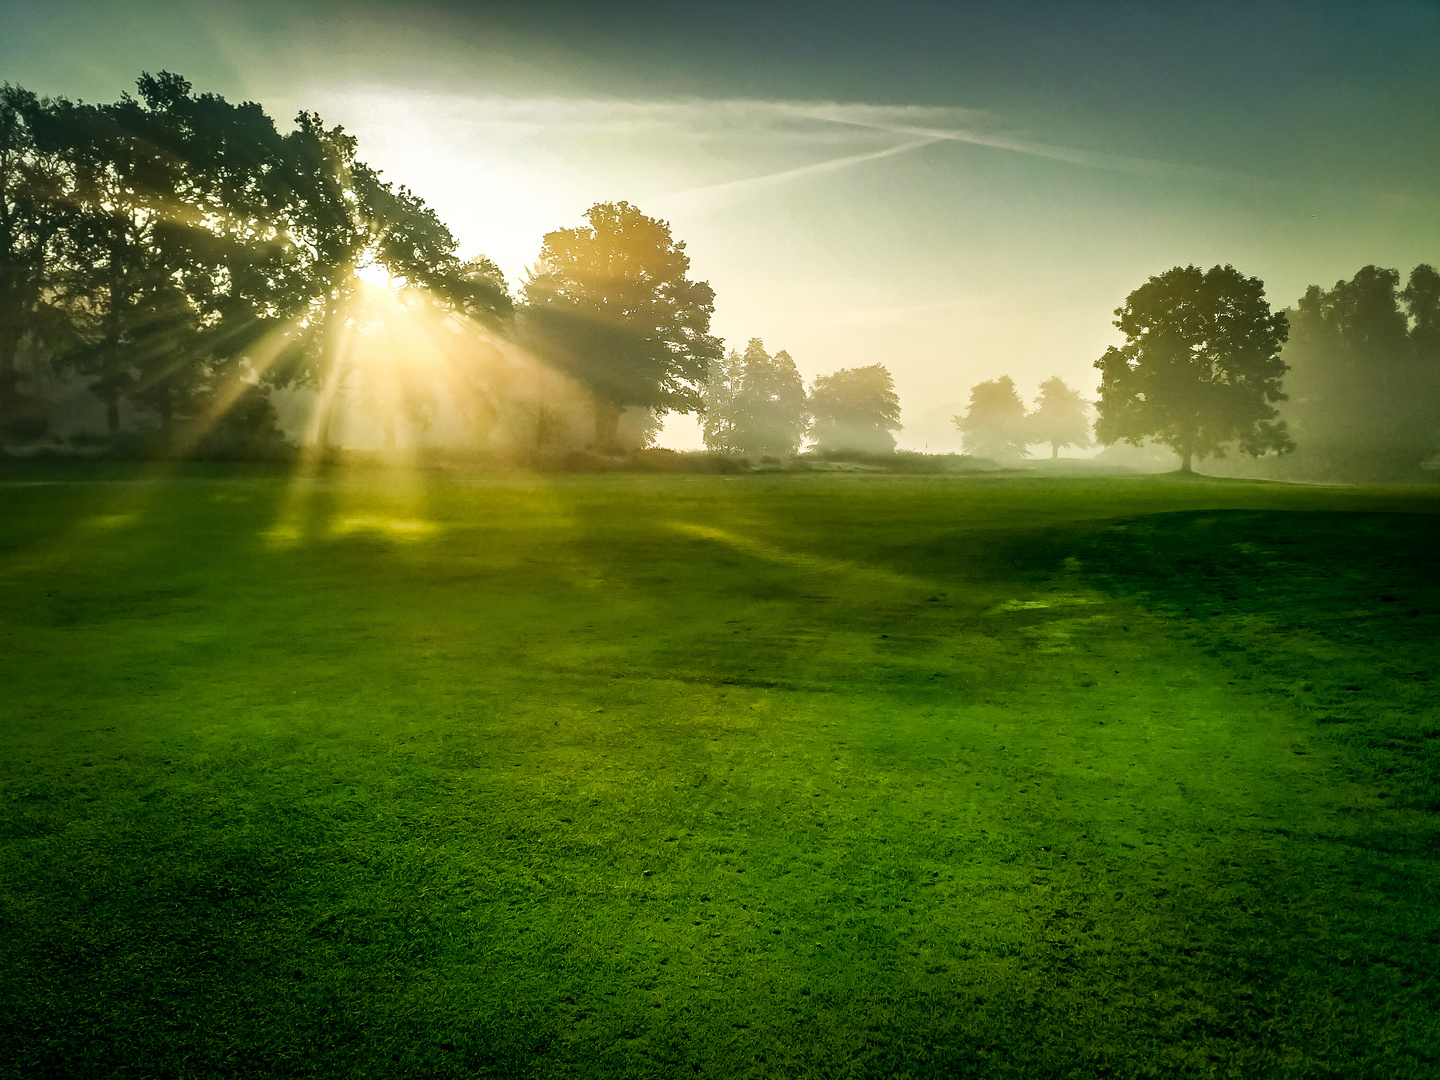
[(958, 194)]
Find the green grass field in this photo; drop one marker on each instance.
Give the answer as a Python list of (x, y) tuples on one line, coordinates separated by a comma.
[(424, 775)]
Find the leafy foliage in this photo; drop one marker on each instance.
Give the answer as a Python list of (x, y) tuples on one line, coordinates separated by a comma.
[(994, 426), (1364, 382), (1061, 417), (610, 305), (855, 409), (755, 404), (176, 248), (1200, 367)]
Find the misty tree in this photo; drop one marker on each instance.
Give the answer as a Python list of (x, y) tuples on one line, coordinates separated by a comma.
[(611, 305), (994, 425), (855, 409), (1200, 367), (33, 204), (756, 405), (722, 383), (1363, 381), (1061, 417)]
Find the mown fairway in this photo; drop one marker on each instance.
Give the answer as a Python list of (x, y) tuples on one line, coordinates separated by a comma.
[(388, 774)]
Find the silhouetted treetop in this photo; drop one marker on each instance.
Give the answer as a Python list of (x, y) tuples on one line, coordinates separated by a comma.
[(994, 425), (855, 409), (1200, 367), (610, 304)]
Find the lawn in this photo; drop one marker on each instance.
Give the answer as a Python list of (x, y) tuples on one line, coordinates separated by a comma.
[(421, 774)]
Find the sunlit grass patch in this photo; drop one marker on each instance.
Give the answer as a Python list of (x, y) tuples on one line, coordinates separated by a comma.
[(398, 528)]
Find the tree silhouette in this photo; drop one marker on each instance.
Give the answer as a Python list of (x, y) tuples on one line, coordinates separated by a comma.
[(32, 207), (1200, 367), (855, 409), (179, 251), (610, 304), (1061, 417), (994, 426)]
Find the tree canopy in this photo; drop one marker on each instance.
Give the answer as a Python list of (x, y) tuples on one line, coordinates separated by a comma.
[(855, 409), (1200, 368), (1365, 372), (994, 425), (1061, 417), (755, 404), (610, 305), (176, 249)]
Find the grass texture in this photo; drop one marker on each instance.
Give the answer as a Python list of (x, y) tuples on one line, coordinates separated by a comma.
[(378, 774)]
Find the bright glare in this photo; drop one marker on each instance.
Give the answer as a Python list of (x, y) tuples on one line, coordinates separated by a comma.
[(375, 274)]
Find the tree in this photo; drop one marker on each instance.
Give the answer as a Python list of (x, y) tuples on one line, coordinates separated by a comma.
[(1364, 380), (32, 201), (610, 305), (717, 396), (1061, 417), (756, 406), (855, 409), (1200, 367), (179, 259), (994, 425)]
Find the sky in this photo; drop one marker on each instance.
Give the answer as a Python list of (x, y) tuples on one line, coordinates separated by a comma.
[(958, 191)]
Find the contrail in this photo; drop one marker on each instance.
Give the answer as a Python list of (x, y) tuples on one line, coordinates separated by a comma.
[(1069, 155), (830, 165)]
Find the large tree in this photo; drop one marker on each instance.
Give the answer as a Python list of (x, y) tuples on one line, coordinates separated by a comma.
[(1363, 380), (610, 304), (1200, 368), (1061, 417), (855, 409), (994, 425), (33, 203)]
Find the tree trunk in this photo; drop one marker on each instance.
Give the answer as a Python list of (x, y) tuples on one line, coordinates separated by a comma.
[(167, 410), (326, 406), (1185, 455), (112, 410), (330, 376), (607, 421), (1054, 451)]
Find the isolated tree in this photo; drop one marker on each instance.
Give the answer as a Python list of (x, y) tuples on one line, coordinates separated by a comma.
[(1061, 417), (1200, 367), (610, 305), (994, 426), (756, 405), (855, 409)]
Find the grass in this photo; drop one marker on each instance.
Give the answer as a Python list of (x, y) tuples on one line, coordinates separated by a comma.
[(385, 774)]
